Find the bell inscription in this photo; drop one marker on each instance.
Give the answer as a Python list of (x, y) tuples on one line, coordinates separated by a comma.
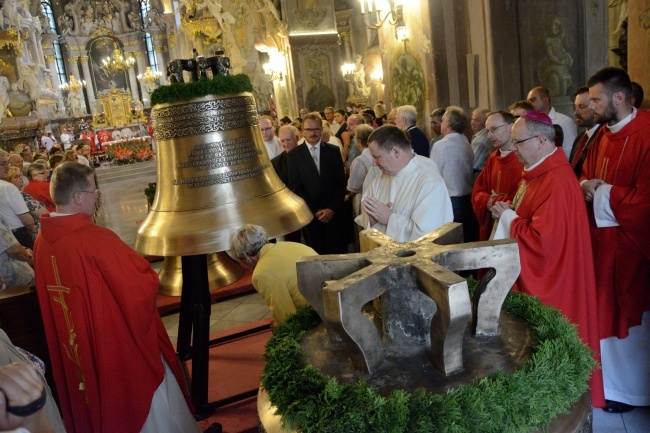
[(209, 156), (216, 179)]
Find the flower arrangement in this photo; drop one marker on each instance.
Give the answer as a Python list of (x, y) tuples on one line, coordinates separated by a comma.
[(122, 155), (129, 153), (143, 154)]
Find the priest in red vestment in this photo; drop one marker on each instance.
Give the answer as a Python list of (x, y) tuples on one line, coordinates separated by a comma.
[(103, 136), (499, 179), (114, 366), (616, 185), (548, 218)]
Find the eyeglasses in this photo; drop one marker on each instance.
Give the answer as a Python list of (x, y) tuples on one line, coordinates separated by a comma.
[(42, 172), (97, 192), (518, 143), (491, 130), (265, 129), (312, 129)]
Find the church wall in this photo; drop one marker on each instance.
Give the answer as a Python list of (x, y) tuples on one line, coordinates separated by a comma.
[(502, 40), (408, 66), (639, 45)]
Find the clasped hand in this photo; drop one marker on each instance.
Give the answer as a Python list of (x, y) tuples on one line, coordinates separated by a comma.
[(377, 211), (499, 207), (589, 188)]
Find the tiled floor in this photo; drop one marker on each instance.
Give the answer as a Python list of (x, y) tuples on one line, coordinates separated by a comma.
[(227, 314), (124, 203)]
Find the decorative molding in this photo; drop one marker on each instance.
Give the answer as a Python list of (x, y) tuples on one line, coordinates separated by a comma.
[(73, 59), (136, 53), (310, 18), (74, 48), (83, 59), (50, 58), (103, 31), (172, 40), (313, 50), (165, 49), (131, 43), (644, 19)]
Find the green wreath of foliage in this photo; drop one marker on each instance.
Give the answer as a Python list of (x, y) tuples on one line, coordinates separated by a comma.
[(219, 85), (547, 385)]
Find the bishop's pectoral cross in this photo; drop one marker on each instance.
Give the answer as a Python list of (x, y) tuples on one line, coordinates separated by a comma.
[(72, 349)]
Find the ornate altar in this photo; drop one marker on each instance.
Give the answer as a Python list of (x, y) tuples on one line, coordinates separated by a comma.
[(116, 105)]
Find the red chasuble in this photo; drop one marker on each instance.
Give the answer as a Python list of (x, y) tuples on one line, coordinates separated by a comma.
[(501, 175), (103, 136), (41, 193), (104, 334), (552, 232), (622, 253)]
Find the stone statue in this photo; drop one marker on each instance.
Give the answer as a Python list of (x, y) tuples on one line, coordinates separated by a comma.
[(4, 96), (76, 106), (554, 67), (148, 87), (153, 18), (73, 16), (268, 29), (10, 13), (66, 24), (134, 20), (28, 81), (124, 7), (359, 79), (262, 89), (45, 24)]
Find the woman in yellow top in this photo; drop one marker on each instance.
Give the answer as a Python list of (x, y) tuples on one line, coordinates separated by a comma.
[(274, 268)]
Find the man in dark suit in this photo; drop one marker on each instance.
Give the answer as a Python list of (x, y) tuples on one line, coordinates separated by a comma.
[(289, 137), (316, 174), (405, 120)]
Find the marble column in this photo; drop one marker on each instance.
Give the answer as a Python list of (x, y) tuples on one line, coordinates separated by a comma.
[(135, 94), (90, 91), (142, 67), (348, 58), (161, 63)]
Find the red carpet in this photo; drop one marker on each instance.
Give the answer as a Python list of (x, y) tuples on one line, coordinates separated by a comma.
[(235, 367), (170, 304)]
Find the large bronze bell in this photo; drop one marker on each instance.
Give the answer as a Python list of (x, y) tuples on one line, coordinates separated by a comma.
[(213, 176)]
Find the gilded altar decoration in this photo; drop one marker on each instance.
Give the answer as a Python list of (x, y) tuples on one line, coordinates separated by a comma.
[(116, 105)]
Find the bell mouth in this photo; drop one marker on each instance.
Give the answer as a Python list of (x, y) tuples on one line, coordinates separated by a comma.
[(205, 231)]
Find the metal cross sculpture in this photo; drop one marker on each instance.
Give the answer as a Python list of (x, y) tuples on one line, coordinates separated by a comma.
[(338, 286)]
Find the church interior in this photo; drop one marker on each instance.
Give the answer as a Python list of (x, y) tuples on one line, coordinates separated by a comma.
[(71, 66)]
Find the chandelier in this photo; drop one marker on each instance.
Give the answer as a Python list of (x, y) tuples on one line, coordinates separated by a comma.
[(150, 76), (348, 71), (118, 62), (372, 11), (73, 85)]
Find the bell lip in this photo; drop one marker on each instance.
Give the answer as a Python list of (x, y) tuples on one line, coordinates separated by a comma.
[(199, 99), (205, 231)]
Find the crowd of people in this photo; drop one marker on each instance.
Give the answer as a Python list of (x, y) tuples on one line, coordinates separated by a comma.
[(575, 203), (25, 198), (578, 222)]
